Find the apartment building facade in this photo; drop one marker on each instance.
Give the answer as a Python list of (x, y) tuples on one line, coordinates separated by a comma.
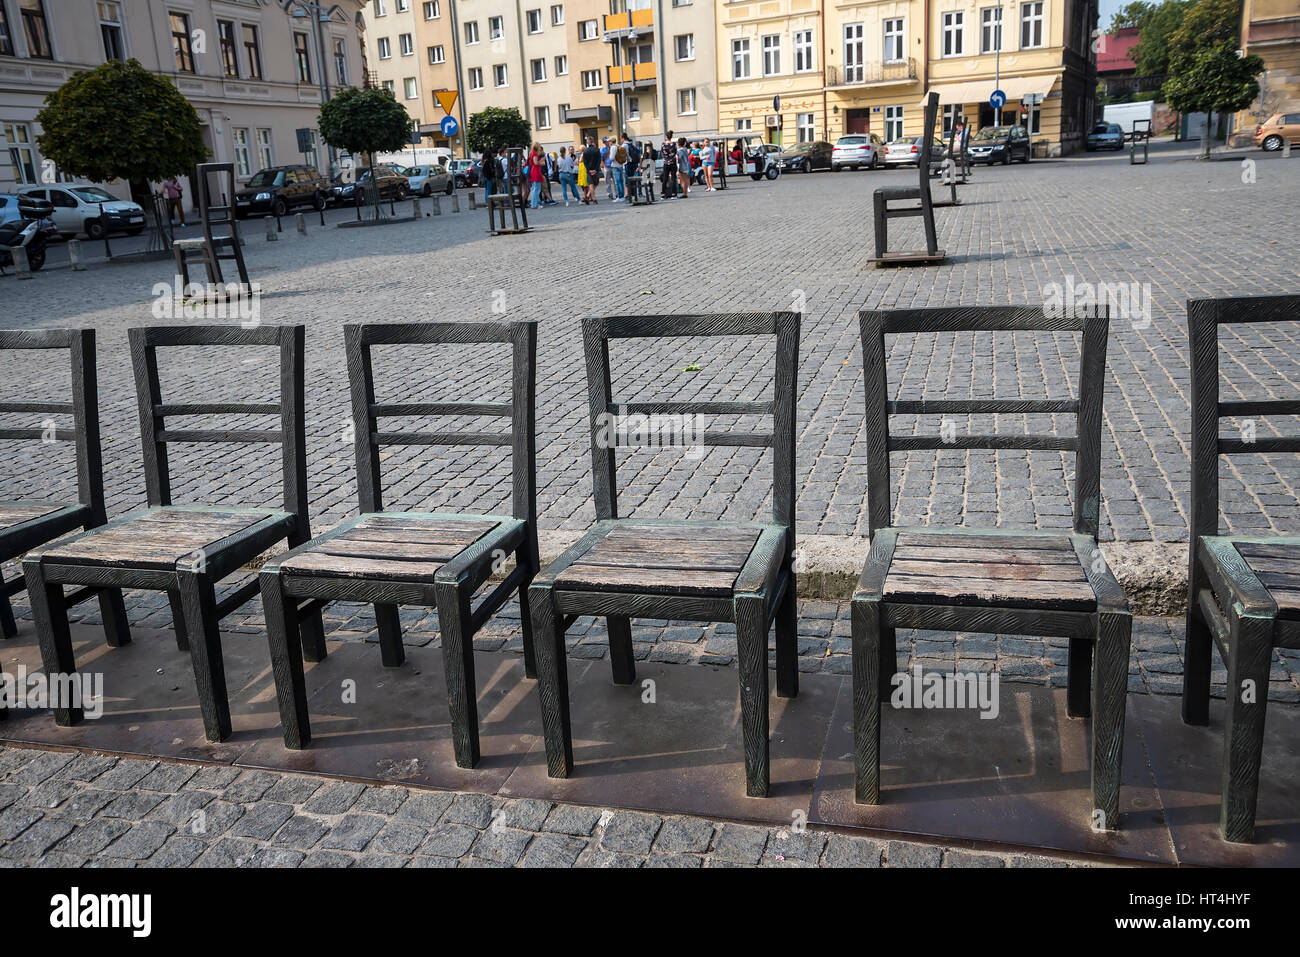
[(1271, 30), (254, 73)]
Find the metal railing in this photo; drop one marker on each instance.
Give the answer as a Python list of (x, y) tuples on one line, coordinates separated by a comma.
[(871, 73)]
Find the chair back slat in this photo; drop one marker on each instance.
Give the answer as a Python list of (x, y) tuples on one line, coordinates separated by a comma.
[(521, 336), (1204, 317), (1087, 408)]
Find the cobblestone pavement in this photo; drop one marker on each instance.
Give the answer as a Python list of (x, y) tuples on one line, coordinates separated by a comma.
[(64, 809)]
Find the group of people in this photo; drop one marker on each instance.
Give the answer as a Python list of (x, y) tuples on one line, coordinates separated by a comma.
[(626, 167)]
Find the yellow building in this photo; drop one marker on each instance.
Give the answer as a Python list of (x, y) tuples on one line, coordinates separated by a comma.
[(1270, 29)]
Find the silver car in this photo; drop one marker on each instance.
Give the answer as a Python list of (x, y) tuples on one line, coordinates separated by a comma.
[(427, 180), (856, 150)]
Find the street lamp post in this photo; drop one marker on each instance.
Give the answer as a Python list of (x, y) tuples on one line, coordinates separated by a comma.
[(316, 12), (997, 67)]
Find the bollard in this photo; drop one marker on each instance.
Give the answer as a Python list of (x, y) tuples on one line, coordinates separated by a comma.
[(300, 223), (415, 206), (455, 202), (271, 237), (437, 205), (1286, 148), (74, 254), (473, 204), (20, 262)]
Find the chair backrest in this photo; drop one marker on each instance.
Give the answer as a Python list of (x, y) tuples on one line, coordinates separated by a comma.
[(1085, 443), (84, 408), (784, 326), (155, 434), (931, 114), (215, 192), (522, 437), (1204, 316)]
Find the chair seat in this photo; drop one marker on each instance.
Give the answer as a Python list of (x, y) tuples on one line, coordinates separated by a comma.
[(1277, 566), (390, 546), (899, 192), (16, 513), (699, 560), (157, 538), (954, 567)]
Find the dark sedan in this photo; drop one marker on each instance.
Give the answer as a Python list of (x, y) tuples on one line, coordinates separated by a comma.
[(391, 183), (806, 157), (1105, 136)]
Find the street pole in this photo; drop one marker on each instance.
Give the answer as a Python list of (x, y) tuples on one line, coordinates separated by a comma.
[(997, 68)]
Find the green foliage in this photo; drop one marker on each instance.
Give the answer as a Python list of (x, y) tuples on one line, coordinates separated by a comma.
[(1151, 55), (119, 121), (1207, 24), (364, 121), (495, 127), (1135, 14), (1214, 80)]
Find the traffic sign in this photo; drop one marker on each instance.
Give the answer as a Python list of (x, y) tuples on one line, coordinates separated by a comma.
[(776, 104), (997, 99), (449, 126), (446, 99)]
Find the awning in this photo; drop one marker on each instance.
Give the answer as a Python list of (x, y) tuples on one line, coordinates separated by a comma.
[(979, 91)]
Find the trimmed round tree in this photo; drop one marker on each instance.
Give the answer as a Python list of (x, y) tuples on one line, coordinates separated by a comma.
[(365, 122), (491, 129), (119, 121)]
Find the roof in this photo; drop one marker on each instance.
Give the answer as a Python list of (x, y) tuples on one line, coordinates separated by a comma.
[(1113, 51)]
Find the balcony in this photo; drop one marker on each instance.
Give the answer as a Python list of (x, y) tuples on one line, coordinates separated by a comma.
[(872, 74), (631, 77), (623, 24)]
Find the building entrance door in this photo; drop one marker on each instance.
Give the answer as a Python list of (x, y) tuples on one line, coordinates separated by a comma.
[(857, 121)]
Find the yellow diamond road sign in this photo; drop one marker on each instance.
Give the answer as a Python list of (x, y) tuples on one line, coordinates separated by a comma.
[(446, 99)]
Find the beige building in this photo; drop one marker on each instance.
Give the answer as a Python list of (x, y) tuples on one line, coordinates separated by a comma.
[(1271, 30), (254, 73)]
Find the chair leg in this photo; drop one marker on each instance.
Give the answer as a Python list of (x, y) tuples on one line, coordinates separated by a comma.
[(1109, 698), (1078, 694), (552, 681), (178, 620), (282, 620), (458, 663), (787, 643), (881, 223), (620, 649), (1250, 653), (391, 652), (526, 623), (8, 627), (112, 611), (199, 603), (888, 654), (751, 651), (311, 635), (50, 615), (867, 683), (1198, 652)]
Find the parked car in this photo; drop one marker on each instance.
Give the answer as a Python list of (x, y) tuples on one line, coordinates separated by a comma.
[(77, 210), (856, 150), (906, 151), (278, 189), (806, 157), (1276, 129), (391, 183), (427, 180), (1000, 144), (466, 172), (1104, 136)]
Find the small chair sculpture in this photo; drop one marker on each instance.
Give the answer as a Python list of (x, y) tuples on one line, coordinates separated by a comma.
[(1141, 134), (1243, 590), (184, 550), (659, 568), (509, 195), (414, 558), (1019, 582), (885, 195), (215, 245)]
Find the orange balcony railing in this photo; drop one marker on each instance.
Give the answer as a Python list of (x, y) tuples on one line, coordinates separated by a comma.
[(633, 75)]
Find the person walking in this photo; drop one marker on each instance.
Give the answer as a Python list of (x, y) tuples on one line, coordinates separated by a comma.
[(669, 152), (607, 158), (568, 178), (536, 172), (591, 160), (648, 170), (632, 167), (708, 158), (488, 169), (581, 174), (174, 192), (618, 166), (683, 167)]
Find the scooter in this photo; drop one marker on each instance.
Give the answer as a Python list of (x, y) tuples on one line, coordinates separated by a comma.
[(31, 234)]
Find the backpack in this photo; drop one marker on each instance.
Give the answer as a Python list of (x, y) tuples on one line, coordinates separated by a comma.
[(620, 156), (633, 154)]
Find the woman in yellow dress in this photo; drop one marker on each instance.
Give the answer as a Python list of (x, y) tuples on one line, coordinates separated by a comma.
[(582, 177)]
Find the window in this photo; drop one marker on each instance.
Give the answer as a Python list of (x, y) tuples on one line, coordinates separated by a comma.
[(406, 44), (251, 52), (684, 46), (181, 44), (894, 40), (341, 61), (229, 54), (431, 10), (20, 152), (557, 15), (496, 27), (588, 29), (538, 67), (390, 87), (634, 107), (745, 125), (110, 30), (990, 29), (475, 78), (1031, 25), (771, 55), (740, 59), (953, 27), (300, 58), (686, 102), (591, 79), (38, 31), (682, 3), (385, 48), (805, 125), (240, 138), (534, 18), (410, 88), (471, 32), (950, 114), (542, 115), (381, 9), (853, 51), (436, 55), (403, 6), (561, 66), (264, 154), (6, 35), (803, 52), (310, 157), (499, 76), (893, 122)]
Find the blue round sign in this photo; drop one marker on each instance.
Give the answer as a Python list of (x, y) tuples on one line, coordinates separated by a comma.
[(997, 99), (449, 126)]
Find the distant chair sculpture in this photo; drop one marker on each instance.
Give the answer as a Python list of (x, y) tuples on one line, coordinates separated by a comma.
[(509, 195), (885, 195), (216, 210), (1141, 133)]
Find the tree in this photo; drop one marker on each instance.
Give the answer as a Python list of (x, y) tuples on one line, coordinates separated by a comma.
[(1206, 24), (365, 122), (119, 121), (1214, 80), (1151, 55), (1135, 14), (495, 127)]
